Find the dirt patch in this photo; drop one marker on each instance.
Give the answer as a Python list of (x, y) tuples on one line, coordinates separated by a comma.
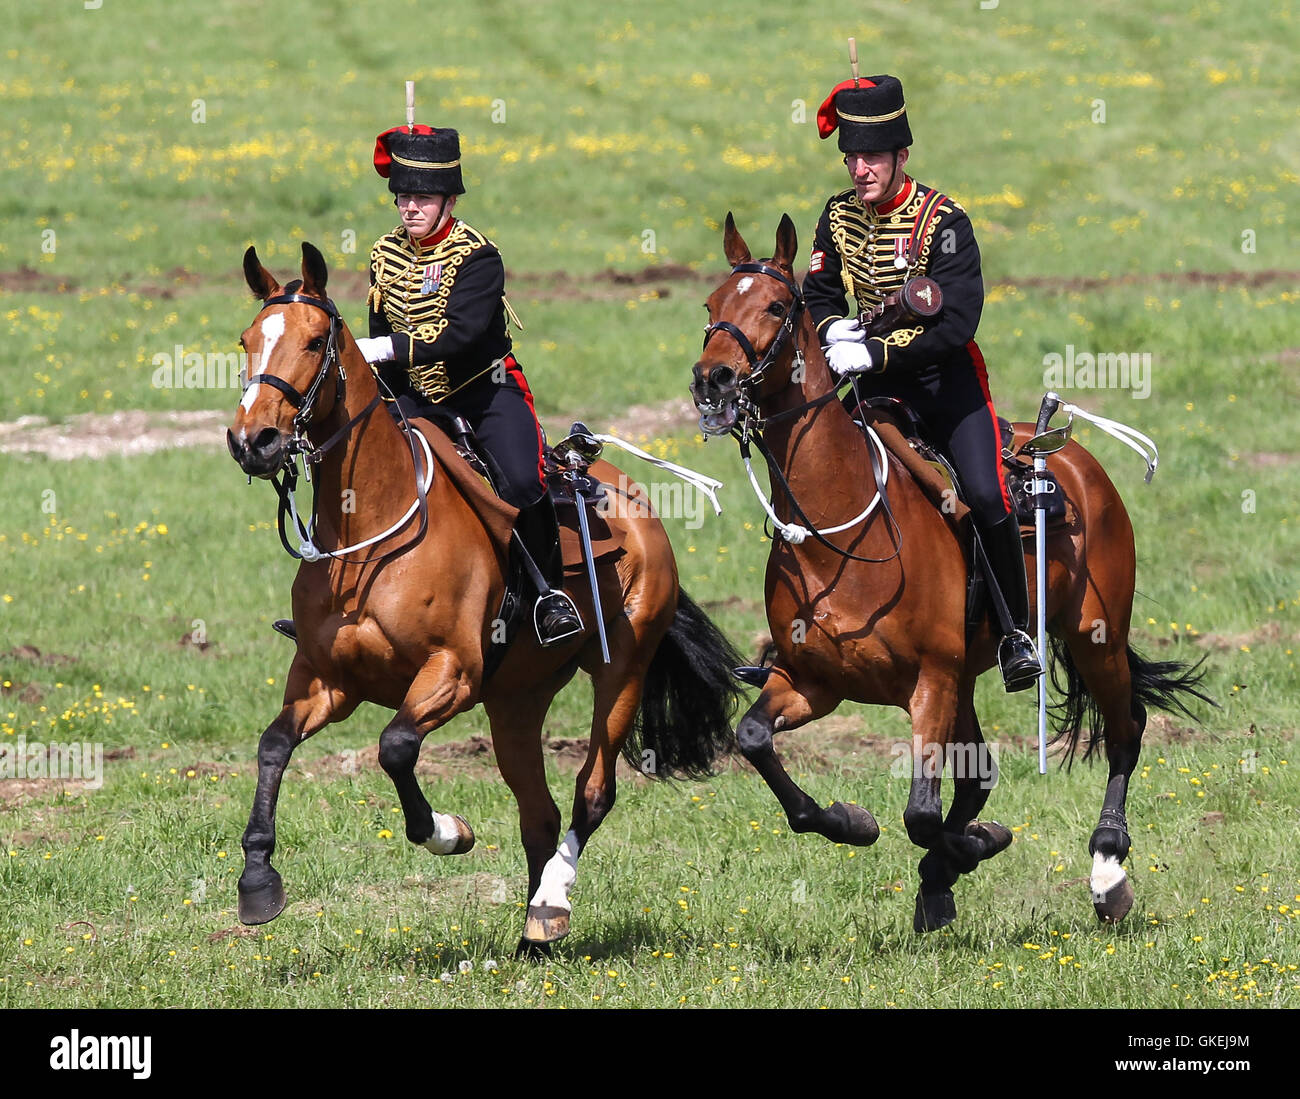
[(1269, 459), (26, 280), (1268, 634), (644, 421), (1215, 279), (23, 692), (657, 280), (465, 888), (31, 654), (100, 435), (19, 791)]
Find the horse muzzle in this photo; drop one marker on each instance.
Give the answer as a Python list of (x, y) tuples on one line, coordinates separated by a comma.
[(261, 456), (717, 398)]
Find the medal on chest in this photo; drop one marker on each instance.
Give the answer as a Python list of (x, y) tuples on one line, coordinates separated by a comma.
[(902, 253), (432, 277)]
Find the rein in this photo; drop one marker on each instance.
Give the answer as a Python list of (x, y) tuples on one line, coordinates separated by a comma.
[(286, 482), (753, 425)]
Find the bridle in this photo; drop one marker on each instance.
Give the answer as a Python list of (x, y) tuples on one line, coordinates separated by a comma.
[(757, 368), (752, 424), (305, 403), (287, 480)]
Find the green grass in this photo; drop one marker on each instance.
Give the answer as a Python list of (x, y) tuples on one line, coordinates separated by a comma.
[(618, 122)]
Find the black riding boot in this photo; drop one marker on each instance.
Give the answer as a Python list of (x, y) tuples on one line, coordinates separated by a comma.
[(1017, 658), (555, 617)]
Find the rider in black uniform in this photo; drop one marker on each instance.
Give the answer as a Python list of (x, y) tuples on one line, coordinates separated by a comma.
[(438, 336), (873, 237)]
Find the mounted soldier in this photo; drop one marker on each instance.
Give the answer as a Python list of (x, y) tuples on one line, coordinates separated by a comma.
[(439, 341), (872, 239)]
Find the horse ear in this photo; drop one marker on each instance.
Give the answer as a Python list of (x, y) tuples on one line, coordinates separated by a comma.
[(733, 244), (314, 272), (260, 281), (787, 243)]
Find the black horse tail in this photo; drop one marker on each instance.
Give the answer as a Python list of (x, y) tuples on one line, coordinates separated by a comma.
[(1163, 684), (688, 700)]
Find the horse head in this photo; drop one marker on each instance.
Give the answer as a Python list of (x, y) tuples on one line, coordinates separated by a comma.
[(752, 317), (293, 348)]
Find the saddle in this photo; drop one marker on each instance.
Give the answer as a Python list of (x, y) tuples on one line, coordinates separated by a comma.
[(475, 474), (904, 435)]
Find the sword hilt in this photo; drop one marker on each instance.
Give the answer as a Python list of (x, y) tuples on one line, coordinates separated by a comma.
[(1051, 402)]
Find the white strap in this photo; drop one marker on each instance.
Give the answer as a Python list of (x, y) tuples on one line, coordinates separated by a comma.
[(308, 551), (796, 534), (707, 485), (1129, 436)]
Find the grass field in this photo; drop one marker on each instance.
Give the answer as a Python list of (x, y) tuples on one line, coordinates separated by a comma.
[(1128, 176)]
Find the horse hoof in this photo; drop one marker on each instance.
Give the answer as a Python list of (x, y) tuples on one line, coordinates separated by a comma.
[(532, 952), (933, 911), (1113, 905), (263, 903), (851, 824), (993, 836), (546, 924), (466, 840)]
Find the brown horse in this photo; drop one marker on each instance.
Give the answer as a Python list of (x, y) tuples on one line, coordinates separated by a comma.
[(892, 631), (406, 622)]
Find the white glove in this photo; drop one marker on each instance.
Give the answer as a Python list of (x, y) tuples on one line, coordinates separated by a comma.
[(846, 329), (848, 357), (377, 350)]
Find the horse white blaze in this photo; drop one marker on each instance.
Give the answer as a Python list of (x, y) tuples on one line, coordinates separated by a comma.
[(744, 284), (272, 330), (558, 876), (446, 834), (1106, 874)]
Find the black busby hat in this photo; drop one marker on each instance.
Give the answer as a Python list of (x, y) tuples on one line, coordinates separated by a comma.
[(869, 113), (419, 160)]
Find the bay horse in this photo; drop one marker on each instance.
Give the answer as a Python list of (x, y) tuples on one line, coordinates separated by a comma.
[(406, 624), (892, 631)]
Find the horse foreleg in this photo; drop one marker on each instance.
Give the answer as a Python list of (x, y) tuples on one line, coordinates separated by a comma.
[(261, 890), (440, 692), (779, 707)]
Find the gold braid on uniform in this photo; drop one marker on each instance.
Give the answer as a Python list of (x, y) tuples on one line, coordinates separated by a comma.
[(866, 242), (398, 269)]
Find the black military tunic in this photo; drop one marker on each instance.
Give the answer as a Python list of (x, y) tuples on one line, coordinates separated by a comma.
[(442, 302), (864, 253)]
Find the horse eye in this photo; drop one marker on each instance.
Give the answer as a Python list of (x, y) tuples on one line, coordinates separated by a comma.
[(316, 344), (777, 309)]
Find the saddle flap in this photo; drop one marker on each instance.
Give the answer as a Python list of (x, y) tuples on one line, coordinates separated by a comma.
[(569, 491)]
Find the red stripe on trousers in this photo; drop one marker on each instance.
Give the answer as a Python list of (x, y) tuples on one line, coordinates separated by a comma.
[(514, 371), (981, 372)]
